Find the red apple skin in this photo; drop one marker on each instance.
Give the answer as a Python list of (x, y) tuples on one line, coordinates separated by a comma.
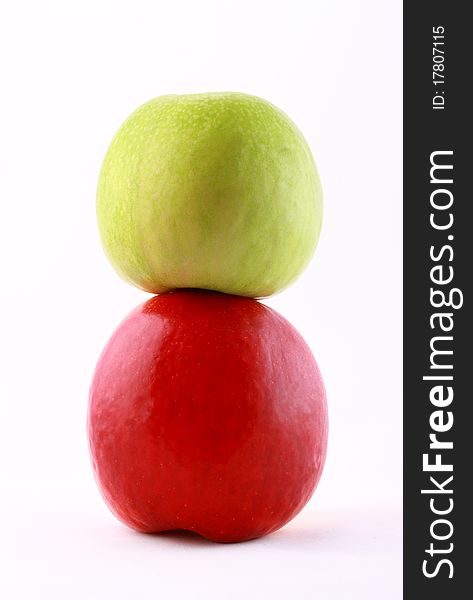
[(207, 413)]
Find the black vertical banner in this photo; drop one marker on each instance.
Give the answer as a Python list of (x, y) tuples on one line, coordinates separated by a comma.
[(438, 269)]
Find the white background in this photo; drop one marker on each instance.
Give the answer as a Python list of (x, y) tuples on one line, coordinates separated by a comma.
[(71, 72)]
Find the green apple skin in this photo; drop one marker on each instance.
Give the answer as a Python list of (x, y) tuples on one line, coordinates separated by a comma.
[(216, 191)]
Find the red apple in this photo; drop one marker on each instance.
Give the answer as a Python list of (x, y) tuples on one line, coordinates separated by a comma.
[(207, 413)]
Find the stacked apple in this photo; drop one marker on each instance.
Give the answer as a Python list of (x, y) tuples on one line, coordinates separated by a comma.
[(207, 410)]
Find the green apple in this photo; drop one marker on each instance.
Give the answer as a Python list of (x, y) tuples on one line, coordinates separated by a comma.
[(217, 191)]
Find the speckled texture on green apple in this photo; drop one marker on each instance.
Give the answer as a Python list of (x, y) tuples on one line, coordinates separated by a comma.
[(217, 191)]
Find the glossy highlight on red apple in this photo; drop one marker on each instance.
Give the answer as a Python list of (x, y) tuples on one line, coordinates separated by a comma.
[(207, 413)]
